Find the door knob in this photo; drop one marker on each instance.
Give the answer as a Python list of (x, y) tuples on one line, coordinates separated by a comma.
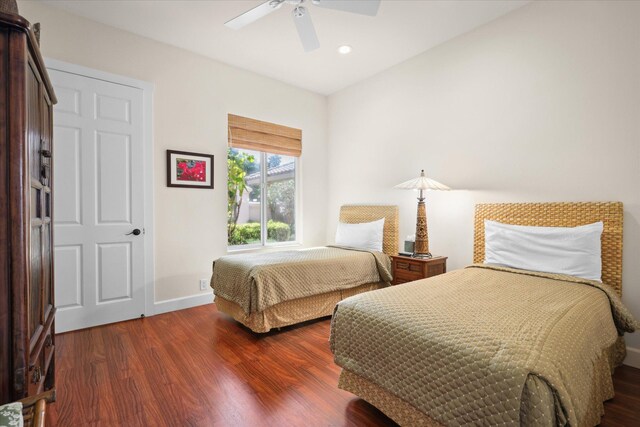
[(135, 232)]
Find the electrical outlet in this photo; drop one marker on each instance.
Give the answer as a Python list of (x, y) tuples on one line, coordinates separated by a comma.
[(204, 284)]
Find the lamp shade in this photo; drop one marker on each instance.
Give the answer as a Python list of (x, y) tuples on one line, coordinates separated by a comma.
[(422, 183)]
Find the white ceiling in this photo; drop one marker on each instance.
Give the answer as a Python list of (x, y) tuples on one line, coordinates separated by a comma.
[(270, 46)]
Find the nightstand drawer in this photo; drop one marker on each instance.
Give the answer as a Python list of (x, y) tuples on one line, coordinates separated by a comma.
[(408, 266)]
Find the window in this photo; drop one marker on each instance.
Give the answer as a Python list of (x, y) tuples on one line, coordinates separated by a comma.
[(261, 208)]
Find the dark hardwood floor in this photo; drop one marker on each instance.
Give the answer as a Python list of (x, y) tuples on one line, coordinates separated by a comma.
[(198, 367)]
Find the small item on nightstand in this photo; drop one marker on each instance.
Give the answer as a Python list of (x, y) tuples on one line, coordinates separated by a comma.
[(409, 254), (408, 268), (409, 246)]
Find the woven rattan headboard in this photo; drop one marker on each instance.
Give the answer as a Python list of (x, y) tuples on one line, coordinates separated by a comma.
[(367, 213), (561, 215)]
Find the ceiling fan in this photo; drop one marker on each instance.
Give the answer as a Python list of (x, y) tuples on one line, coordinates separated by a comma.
[(301, 16)]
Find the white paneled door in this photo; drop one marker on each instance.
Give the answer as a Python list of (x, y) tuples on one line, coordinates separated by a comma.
[(99, 234)]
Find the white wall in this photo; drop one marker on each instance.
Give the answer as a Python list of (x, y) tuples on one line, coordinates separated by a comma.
[(542, 104), (192, 97)]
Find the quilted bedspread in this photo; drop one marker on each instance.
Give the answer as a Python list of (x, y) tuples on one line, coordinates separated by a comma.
[(258, 281), (483, 344)]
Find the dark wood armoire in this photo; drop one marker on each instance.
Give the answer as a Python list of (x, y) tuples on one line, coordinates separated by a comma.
[(27, 342)]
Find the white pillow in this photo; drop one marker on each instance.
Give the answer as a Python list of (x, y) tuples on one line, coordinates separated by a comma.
[(565, 250), (366, 235)]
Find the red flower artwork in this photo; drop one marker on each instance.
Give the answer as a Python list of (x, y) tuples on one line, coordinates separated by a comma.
[(191, 170)]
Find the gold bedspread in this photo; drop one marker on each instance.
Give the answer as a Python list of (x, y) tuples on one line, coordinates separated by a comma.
[(258, 281), (486, 345)]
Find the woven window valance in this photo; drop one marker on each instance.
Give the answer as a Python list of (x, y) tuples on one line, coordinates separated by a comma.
[(252, 134)]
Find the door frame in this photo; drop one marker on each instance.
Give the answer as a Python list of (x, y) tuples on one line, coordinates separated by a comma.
[(148, 167)]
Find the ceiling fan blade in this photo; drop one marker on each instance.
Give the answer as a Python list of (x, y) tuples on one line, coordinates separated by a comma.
[(363, 7), (306, 30), (251, 15)]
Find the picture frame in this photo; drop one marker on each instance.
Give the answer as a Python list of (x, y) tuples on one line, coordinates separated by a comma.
[(189, 170)]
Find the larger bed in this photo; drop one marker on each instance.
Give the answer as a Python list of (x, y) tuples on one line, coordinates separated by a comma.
[(489, 345), (275, 289)]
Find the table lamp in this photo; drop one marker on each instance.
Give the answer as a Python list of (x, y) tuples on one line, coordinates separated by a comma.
[(422, 183)]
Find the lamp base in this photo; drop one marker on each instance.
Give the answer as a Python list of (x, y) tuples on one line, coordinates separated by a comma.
[(422, 256)]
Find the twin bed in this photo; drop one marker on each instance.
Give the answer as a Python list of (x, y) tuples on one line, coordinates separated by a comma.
[(484, 345), (277, 289), (487, 345)]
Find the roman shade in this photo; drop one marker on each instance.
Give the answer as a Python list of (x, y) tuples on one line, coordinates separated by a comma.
[(257, 135)]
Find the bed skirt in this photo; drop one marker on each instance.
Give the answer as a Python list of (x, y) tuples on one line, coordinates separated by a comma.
[(291, 312), (536, 394)]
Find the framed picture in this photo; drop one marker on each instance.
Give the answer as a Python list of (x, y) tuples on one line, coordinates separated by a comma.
[(191, 170)]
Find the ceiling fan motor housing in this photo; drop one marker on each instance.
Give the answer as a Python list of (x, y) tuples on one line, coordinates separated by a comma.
[(299, 11)]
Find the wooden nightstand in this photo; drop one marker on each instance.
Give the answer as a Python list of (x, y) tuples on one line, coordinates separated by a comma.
[(407, 269)]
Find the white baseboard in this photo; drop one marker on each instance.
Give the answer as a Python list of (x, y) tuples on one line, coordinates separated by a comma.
[(633, 357), (182, 303)]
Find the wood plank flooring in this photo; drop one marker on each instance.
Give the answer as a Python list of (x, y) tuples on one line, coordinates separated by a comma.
[(198, 367)]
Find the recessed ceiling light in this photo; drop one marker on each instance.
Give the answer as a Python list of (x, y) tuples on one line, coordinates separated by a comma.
[(344, 49)]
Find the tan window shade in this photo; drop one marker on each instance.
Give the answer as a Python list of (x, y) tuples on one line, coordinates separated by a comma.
[(252, 134)]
